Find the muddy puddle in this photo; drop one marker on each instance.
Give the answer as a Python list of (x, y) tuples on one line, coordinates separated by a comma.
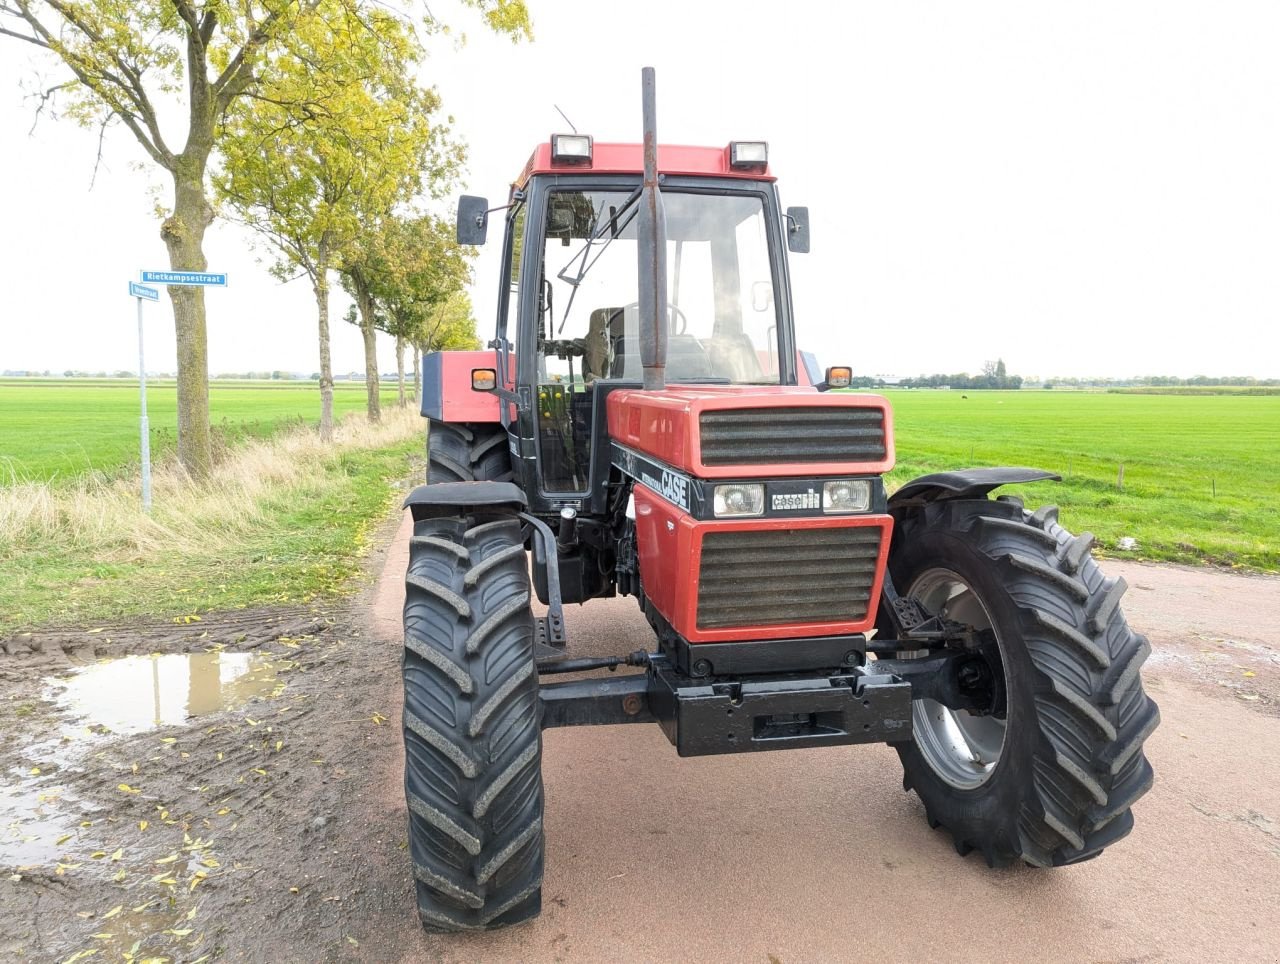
[(39, 818)]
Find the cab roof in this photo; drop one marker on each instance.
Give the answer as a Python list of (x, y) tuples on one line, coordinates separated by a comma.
[(629, 159)]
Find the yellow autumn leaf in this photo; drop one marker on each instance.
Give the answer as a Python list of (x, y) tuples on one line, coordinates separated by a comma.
[(1250, 673), (125, 788), (117, 855), (63, 839), (167, 860), (35, 771), (143, 825), (113, 912)]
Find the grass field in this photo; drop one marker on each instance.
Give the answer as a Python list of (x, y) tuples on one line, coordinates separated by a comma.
[(56, 429), (1201, 472)]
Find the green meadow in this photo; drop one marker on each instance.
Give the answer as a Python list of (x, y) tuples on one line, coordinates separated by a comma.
[(58, 429), (1201, 472)]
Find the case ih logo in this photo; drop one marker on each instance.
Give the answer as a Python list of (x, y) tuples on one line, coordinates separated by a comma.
[(783, 502), (672, 486)]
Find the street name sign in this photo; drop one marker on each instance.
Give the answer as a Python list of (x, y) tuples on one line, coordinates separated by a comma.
[(142, 291), (185, 278)]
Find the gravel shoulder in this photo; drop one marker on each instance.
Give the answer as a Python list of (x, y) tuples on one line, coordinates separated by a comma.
[(275, 829)]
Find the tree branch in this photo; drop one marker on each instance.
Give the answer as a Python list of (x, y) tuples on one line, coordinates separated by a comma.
[(21, 36), (97, 78)]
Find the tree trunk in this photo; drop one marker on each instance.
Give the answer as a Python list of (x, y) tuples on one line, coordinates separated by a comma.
[(400, 371), (364, 301), (417, 373), (321, 289), (183, 234)]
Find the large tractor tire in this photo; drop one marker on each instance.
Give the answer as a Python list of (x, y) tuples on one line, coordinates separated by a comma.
[(1051, 779), (467, 453), (472, 728)]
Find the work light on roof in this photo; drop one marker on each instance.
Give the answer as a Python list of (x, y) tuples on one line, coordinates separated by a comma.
[(748, 155), (570, 149)]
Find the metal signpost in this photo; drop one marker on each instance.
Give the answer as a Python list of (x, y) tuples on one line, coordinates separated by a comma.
[(141, 293)]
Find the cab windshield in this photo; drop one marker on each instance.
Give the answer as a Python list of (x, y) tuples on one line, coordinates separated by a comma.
[(722, 320)]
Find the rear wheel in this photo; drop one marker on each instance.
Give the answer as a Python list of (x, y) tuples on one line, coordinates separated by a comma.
[(473, 744), (1050, 776), (467, 453)]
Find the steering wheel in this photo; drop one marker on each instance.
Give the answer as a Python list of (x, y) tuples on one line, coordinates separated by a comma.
[(682, 322)]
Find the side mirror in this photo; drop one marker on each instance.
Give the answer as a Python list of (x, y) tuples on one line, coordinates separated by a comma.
[(473, 219), (798, 230)]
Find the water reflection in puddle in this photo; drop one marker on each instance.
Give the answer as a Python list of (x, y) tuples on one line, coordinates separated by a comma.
[(137, 693)]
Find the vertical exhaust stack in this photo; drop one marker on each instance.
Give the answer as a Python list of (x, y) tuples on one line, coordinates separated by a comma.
[(651, 229)]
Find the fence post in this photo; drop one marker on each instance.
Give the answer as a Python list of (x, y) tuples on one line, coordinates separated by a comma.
[(1120, 477)]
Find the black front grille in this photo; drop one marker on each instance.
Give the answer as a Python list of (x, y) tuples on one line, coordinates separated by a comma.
[(765, 436), (759, 578)]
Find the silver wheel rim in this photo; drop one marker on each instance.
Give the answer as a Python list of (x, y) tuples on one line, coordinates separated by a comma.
[(963, 750)]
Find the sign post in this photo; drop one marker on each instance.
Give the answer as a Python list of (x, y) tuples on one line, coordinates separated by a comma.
[(185, 279), (143, 293)]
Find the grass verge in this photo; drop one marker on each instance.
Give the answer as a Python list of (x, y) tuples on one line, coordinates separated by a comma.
[(284, 520)]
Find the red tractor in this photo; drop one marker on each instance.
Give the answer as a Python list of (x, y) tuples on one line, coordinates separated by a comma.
[(644, 424)]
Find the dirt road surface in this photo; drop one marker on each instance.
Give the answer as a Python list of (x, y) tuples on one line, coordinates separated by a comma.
[(816, 855)]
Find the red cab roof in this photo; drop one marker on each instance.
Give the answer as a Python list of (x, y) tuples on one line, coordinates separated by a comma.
[(628, 159)]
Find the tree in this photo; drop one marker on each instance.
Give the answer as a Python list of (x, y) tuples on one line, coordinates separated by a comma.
[(415, 265), (127, 58), (318, 149)]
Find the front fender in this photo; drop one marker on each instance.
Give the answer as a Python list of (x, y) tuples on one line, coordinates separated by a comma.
[(462, 498), (964, 484)]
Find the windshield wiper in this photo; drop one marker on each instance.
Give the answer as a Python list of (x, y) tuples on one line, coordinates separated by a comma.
[(598, 230)]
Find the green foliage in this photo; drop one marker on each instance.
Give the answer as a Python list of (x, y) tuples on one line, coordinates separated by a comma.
[(320, 151), (416, 271)]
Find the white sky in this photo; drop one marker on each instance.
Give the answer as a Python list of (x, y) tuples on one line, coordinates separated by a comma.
[(1085, 188)]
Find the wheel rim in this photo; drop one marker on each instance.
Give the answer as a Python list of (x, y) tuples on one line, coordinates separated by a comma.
[(962, 749)]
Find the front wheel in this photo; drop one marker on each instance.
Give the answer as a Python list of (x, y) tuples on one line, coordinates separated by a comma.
[(1050, 775), (472, 735)]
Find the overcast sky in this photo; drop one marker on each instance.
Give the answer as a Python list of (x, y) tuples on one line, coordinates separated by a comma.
[(1083, 188)]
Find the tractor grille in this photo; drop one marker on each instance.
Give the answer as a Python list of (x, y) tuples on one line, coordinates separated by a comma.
[(763, 577), (768, 436)]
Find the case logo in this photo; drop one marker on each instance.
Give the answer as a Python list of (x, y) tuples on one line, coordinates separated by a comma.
[(790, 501), (673, 487)]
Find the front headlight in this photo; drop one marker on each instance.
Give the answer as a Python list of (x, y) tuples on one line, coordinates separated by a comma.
[(739, 500), (846, 495)]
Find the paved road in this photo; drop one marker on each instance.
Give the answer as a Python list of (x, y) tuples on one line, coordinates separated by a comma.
[(818, 855)]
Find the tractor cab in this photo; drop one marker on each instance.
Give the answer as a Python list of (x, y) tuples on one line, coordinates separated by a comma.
[(569, 306)]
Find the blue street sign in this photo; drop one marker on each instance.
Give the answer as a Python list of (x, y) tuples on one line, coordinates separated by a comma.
[(185, 278), (142, 291)]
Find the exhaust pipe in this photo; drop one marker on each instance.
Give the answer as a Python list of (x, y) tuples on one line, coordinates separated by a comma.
[(651, 230)]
